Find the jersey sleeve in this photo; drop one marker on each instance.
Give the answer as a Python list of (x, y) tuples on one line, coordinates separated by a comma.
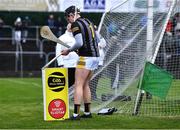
[(75, 28)]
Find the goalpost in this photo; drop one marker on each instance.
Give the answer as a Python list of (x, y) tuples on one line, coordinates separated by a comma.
[(151, 52), (115, 83), (167, 57)]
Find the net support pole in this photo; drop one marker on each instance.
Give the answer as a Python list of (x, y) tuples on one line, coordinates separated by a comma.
[(149, 54), (149, 38)]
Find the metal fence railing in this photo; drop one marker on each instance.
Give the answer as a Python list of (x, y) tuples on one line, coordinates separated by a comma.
[(20, 57)]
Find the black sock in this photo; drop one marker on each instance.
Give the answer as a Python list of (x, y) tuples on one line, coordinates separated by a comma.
[(77, 108), (87, 107)]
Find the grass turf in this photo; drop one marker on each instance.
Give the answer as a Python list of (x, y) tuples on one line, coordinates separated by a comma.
[(21, 107)]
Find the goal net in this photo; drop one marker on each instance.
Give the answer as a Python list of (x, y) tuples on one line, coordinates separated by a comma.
[(125, 31), (167, 58)]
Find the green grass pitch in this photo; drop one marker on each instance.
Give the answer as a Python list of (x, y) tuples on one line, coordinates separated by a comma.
[(21, 107)]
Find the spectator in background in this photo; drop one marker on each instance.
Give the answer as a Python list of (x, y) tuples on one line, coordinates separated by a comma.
[(112, 28), (177, 24), (177, 33), (169, 28), (1, 26), (51, 21), (18, 30), (143, 20), (177, 30), (177, 38), (176, 19), (25, 24), (59, 26), (168, 38)]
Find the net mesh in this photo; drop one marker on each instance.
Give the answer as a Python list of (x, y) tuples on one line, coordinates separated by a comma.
[(115, 83), (124, 59), (168, 59)]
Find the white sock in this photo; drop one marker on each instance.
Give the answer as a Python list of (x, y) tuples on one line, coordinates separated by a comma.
[(75, 115), (87, 113)]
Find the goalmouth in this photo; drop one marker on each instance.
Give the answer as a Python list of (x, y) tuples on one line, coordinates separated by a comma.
[(115, 83)]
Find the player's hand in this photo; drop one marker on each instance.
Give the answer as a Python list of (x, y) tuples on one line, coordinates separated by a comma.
[(65, 52)]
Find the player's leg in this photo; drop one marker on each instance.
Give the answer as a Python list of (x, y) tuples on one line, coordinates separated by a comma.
[(80, 78), (87, 97), (86, 89), (91, 64)]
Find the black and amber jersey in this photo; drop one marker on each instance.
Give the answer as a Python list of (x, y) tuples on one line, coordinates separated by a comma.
[(90, 45)]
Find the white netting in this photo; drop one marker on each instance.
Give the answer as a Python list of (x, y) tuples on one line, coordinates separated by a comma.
[(115, 84), (168, 58), (124, 59)]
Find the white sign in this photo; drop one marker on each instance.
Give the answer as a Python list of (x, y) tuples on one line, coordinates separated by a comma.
[(94, 4)]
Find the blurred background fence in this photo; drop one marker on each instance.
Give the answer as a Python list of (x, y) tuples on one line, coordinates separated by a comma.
[(26, 57)]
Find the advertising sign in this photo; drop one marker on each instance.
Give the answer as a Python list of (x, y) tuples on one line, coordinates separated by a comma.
[(84, 5), (94, 4), (55, 93)]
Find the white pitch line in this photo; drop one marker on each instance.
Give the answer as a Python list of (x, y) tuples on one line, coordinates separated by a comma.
[(22, 82), (36, 84)]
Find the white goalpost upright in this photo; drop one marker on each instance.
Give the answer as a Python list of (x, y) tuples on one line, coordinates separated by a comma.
[(160, 57), (150, 55), (149, 43)]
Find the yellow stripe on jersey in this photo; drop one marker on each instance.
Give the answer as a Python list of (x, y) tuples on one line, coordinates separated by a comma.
[(75, 29), (92, 30)]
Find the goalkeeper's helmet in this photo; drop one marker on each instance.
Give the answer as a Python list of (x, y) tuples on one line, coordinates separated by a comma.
[(72, 9)]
